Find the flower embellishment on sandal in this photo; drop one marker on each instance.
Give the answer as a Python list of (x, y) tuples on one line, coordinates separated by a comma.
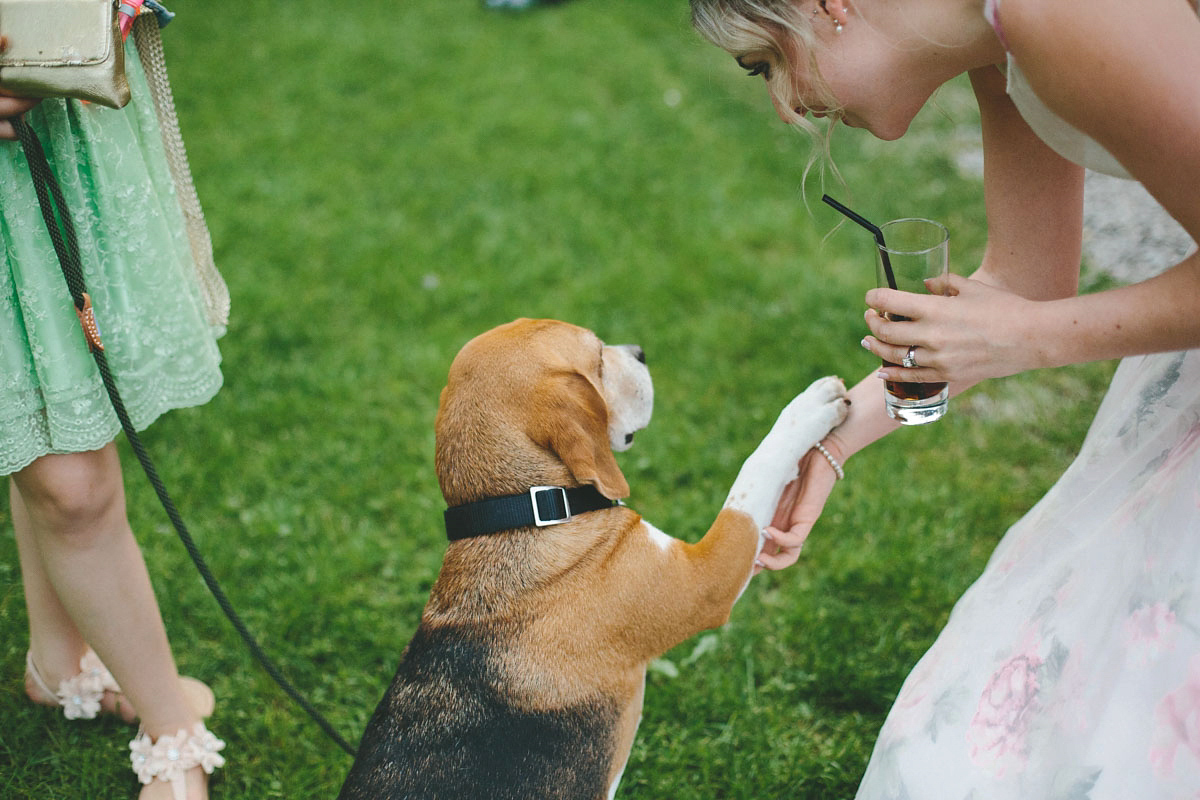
[(81, 694), (171, 756)]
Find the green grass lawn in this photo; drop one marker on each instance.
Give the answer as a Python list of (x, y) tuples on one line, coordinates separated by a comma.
[(385, 180)]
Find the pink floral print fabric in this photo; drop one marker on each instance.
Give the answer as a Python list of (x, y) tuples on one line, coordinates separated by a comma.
[(1071, 669)]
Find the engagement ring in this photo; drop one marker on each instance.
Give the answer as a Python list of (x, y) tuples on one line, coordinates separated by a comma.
[(909, 361)]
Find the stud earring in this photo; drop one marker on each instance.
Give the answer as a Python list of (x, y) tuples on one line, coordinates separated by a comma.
[(837, 27)]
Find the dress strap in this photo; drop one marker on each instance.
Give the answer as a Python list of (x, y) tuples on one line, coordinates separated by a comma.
[(991, 11)]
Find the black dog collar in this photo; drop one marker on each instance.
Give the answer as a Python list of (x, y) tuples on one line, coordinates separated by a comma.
[(540, 506)]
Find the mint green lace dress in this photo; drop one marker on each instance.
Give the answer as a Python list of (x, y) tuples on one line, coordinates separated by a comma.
[(159, 336)]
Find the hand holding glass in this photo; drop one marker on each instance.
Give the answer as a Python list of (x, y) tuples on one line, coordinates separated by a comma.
[(916, 255)]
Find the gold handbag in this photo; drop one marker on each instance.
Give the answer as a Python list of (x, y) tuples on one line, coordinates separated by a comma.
[(63, 48)]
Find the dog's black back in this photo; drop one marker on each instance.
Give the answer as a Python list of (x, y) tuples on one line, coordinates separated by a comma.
[(446, 729)]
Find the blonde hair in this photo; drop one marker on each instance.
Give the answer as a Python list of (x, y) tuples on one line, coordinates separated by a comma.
[(780, 29)]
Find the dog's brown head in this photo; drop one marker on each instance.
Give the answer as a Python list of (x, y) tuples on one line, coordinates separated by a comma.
[(539, 402)]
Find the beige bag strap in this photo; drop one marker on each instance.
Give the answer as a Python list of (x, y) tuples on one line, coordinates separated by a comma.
[(149, 46)]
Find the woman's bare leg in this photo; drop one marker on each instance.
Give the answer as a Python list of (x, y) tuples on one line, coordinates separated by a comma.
[(86, 583)]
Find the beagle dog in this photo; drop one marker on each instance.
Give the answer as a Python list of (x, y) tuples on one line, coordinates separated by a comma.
[(526, 675)]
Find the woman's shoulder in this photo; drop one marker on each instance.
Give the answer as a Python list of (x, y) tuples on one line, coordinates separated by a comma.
[(1080, 31), (1086, 59), (1128, 84)]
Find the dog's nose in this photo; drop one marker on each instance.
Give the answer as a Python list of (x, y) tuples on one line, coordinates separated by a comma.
[(634, 350)]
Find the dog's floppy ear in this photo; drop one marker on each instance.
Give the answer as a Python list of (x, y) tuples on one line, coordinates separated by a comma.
[(571, 418)]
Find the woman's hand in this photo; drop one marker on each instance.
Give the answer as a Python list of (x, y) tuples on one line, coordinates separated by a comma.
[(801, 505), (975, 331), (12, 107)]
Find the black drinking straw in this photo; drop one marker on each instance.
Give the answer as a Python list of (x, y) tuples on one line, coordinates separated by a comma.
[(873, 228)]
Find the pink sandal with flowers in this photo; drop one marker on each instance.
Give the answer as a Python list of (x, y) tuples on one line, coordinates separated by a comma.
[(170, 757)]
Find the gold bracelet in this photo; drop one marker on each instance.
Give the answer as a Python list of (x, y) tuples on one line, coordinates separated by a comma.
[(833, 462)]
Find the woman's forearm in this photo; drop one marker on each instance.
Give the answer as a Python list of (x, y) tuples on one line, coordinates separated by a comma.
[(1157, 315), (866, 422)]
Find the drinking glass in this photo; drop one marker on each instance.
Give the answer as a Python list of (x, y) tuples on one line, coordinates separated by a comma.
[(915, 258)]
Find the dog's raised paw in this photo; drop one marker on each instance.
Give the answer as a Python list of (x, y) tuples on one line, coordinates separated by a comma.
[(826, 399), (827, 389), (840, 401), (814, 413)]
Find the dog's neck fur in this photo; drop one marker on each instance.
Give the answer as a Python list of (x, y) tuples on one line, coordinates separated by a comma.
[(482, 461)]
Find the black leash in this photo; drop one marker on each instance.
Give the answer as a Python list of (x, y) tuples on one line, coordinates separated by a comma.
[(62, 234)]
